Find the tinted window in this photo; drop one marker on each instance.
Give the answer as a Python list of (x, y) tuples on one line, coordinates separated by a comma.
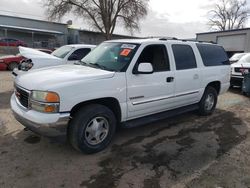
[(80, 53), (213, 55), (184, 57), (157, 56)]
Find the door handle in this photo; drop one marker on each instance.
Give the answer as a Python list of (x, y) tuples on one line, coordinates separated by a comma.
[(170, 79)]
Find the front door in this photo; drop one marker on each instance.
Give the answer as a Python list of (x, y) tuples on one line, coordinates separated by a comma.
[(151, 93)]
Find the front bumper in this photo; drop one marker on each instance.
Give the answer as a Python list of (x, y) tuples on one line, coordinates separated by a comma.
[(236, 81), (17, 72), (50, 125)]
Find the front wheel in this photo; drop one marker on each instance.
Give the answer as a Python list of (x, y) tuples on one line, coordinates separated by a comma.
[(208, 101), (92, 128)]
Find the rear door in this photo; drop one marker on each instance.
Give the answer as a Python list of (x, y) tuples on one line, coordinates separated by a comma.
[(187, 75), (151, 93)]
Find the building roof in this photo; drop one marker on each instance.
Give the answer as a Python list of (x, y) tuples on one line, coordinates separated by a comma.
[(38, 20), (31, 29), (232, 30), (117, 35)]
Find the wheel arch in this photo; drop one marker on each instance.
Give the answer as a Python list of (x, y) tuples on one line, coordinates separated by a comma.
[(110, 102), (216, 85)]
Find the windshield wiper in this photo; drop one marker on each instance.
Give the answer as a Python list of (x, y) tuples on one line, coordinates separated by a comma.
[(77, 63)]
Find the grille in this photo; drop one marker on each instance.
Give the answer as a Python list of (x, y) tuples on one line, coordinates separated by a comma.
[(241, 69), (22, 96)]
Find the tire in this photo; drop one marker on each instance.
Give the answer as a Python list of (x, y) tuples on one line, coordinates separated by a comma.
[(208, 101), (95, 121), (12, 65)]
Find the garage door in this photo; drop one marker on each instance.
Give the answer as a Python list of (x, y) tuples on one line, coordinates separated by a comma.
[(232, 42)]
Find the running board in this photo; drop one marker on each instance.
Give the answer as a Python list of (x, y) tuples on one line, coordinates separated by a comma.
[(158, 116)]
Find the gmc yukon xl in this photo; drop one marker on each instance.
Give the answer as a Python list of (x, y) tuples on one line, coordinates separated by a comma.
[(121, 82)]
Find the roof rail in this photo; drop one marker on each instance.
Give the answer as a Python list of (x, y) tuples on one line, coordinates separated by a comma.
[(168, 38), (183, 40), (194, 40)]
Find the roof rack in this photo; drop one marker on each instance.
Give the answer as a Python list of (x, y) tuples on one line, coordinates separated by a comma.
[(168, 38), (183, 40)]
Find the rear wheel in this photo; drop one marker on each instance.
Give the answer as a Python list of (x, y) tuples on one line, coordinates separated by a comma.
[(12, 66), (92, 128), (208, 101)]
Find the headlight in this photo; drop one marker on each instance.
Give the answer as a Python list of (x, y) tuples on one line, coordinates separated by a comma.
[(42, 101), (1, 61), (26, 65)]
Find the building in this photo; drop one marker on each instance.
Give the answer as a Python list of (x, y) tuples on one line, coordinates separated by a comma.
[(233, 41), (45, 34), (35, 33), (80, 36)]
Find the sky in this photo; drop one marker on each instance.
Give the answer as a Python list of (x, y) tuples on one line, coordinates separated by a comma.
[(172, 18)]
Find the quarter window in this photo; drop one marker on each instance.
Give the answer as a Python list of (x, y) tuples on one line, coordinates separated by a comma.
[(157, 56), (213, 55), (184, 57)]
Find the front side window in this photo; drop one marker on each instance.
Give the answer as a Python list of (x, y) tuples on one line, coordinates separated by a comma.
[(157, 56), (111, 56), (184, 57), (62, 51), (213, 55)]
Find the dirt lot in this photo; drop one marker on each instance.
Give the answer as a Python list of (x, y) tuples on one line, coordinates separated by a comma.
[(185, 151)]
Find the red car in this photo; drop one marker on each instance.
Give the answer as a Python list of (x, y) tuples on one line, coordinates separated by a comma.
[(11, 42), (11, 61)]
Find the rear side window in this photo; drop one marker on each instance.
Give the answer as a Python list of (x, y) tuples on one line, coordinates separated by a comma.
[(184, 57), (213, 55)]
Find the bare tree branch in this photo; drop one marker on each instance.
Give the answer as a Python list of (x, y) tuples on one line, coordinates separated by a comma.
[(228, 14), (103, 15)]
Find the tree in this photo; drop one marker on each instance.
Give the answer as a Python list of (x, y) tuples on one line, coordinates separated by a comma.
[(102, 15), (228, 14)]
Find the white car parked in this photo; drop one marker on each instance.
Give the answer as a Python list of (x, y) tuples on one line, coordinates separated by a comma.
[(68, 54), (239, 69), (236, 57), (121, 82)]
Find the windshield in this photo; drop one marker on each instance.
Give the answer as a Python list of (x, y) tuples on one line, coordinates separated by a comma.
[(111, 56), (62, 52)]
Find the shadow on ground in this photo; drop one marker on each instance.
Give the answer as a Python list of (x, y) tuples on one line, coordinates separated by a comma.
[(172, 156), (154, 155)]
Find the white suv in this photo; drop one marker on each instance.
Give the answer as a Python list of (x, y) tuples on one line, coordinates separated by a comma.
[(121, 82), (239, 69)]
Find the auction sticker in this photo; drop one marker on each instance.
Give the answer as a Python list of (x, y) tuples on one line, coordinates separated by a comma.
[(125, 52), (128, 46)]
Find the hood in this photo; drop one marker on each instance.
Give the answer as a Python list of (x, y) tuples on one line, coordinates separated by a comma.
[(38, 58), (241, 64), (33, 53), (60, 76)]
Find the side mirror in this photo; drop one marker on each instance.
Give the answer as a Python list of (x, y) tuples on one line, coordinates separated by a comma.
[(73, 57), (145, 68)]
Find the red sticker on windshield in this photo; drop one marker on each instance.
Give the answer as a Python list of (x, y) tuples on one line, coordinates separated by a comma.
[(125, 52)]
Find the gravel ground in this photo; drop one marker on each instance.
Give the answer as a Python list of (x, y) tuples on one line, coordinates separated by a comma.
[(185, 151)]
